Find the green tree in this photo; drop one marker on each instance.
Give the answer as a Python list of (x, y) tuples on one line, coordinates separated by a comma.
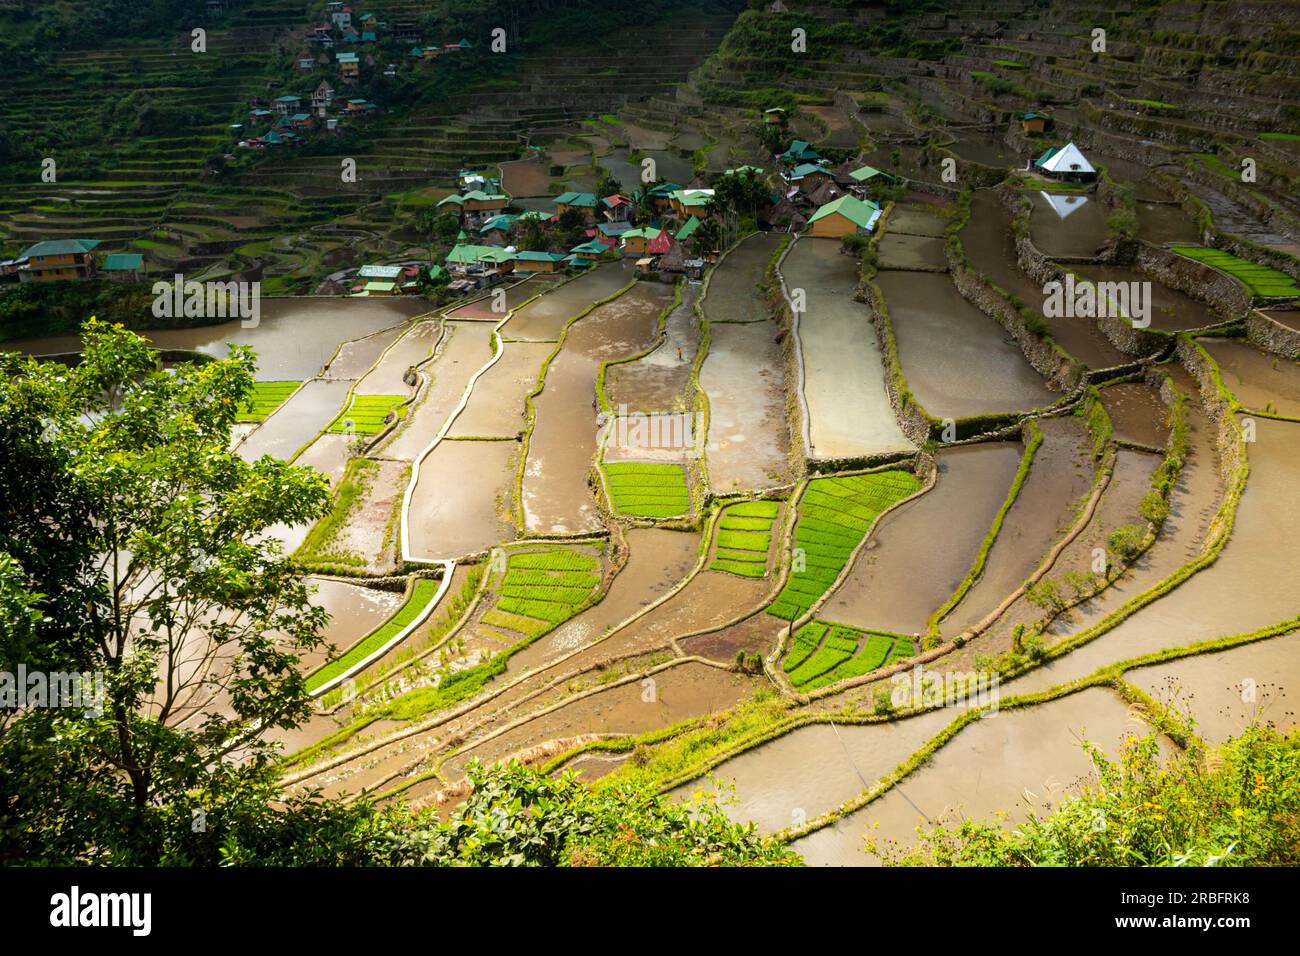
[(142, 544)]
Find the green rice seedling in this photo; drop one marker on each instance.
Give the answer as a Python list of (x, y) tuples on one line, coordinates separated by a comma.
[(368, 414), (805, 642), (266, 398), (648, 490)]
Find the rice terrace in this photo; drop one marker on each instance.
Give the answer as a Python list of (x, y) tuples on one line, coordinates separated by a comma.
[(731, 432)]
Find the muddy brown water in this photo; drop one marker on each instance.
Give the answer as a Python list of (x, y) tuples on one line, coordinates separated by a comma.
[(1137, 413), (1171, 311), (1067, 225), (916, 222), (1162, 222), (461, 500), (811, 770), (328, 454), (556, 496), (957, 360), (1291, 319), (296, 422), (496, 407), (844, 376), (1020, 761), (293, 339), (354, 359), (1059, 478), (668, 165), (920, 552), (754, 635), (678, 693), (544, 318), (901, 251), (1226, 692), (660, 382), (387, 377), (1246, 588), (991, 249), (501, 299), (734, 293), (354, 612), (1261, 381), (466, 348), (744, 378)]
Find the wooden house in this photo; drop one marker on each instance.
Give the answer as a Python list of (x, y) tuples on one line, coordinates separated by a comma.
[(846, 216), (60, 259)]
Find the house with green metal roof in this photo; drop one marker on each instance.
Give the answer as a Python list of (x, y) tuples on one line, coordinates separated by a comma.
[(585, 203), (808, 176), (636, 241), (123, 266), (530, 261), (865, 174), (846, 216), (57, 259), (688, 229), (800, 152), (688, 202), (591, 250)]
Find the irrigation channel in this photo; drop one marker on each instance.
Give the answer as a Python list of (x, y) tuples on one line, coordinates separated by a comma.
[(510, 572)]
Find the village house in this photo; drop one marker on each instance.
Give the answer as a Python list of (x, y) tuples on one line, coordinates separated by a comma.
[(690, 202), (808, 176), (57, 259), (287, 104), (687, 229), (584, 203), (495, 229), (123, 266), (846, 216), (349, 65), (616, 207), (301, 121), (359, 107), (1065, 163), (1034, 122), (473, 266), (659, 197), (635, 242), (774, 117), (865, 175), (800, 152), (537, 261), (340, 14), (405, 31), (589, 252), (478, 201), (322, 98)]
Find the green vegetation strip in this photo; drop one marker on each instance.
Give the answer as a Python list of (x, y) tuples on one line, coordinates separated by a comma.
[(1260, 280), (647, 490), (416, 602), (368, 414), (835, 514), (824, 653), (266, 398), (744, 538)]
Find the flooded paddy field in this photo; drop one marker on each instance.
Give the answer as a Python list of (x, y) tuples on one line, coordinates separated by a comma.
[(991, 249), (296, 423), (957, 360), (461, 502), (1171, 311), (743, 376), (1067, 225), (1261, 381), (354, 612), (388, 377), (1137, 413), (1165, 222), (675, 694), (902, 251), (544, 318), (660, 381), (465, 348), (1241, 591), (736, 291), (813, 769), (496, 406), (1016, 762), (844, 377), (1059, 478), (920, 552), (556, 496), (1227, 691), (502, 299), (985, 149)]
